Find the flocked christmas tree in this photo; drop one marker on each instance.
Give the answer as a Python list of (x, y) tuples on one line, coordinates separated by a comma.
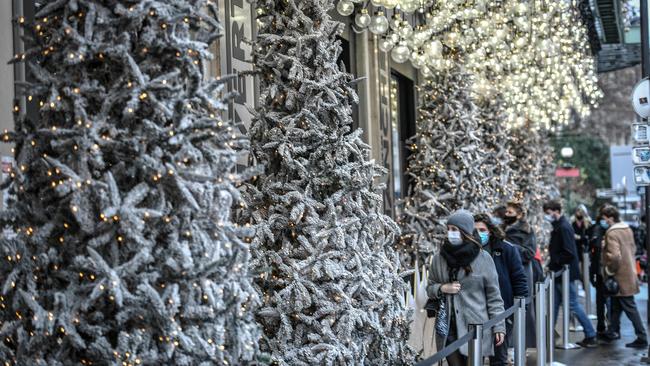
[(496, 140), (329, 277), (534, 174), (445, 164), (123, 251)]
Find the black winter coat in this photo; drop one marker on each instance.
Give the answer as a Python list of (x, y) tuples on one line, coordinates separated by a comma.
[(562, 248), (512, 277), (582, 237), (596, 233), (523, 236)]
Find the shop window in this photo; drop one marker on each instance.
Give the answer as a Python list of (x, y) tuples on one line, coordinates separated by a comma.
[(346, 58), (402, 115)]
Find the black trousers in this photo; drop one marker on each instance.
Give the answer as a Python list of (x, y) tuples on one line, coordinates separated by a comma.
[(626, 304), (601, 302)]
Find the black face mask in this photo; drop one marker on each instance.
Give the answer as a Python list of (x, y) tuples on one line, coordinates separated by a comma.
[(579, 216), (509, 220)]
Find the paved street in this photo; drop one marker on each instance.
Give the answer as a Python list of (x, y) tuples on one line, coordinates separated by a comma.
[(614, 353)]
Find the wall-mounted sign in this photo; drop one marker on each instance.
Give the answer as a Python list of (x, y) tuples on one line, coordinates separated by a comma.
[(641, 98), (640, 133), (641, 155), (642, 176), (567, 173)]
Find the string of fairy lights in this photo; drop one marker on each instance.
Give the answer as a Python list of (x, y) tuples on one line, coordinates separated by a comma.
[(535, 54)]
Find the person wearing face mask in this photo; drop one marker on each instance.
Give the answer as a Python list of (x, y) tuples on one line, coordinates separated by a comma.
[(596, 234), (581, 224), (464, 277), (497, 215), (562, 250), (618, 261), (512, 277), (519, 232)]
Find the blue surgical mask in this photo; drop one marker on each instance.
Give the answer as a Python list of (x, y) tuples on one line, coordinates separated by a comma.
[(496, 221), (549, 218), (485, 237), (454, 237), (604, 224)]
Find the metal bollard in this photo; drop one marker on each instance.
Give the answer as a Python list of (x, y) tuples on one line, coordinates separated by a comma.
[(550, 318), (540, 307), (520, 331), (566, 279), (587, 285), (475, 350)]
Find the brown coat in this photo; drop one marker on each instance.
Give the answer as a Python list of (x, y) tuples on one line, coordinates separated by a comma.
[(618, 258)]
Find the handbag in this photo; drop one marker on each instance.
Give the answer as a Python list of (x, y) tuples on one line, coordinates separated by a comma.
[(611, 286), (436, 308), (432, 307), (442, 320)]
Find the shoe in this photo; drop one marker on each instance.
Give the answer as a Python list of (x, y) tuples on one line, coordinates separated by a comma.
[(588, 343), (603, 336), (638, 343), (612, 336)]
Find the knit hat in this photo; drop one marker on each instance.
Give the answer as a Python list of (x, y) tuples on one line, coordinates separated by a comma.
[(463, 220)]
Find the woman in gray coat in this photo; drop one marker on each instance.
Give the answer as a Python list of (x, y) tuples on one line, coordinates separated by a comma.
[(465, 277)]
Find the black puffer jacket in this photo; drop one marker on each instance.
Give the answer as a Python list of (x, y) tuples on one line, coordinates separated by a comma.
[(596, 234), (521, 234)]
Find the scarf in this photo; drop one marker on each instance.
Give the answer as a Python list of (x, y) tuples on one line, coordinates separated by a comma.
[(459, 256)]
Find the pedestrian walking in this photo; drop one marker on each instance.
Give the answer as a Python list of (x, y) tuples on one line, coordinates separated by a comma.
[(596, 235), (619, 262), (512, 277), (581, 222), (521, 234), (498, 213), (562, 250), (463, 277)]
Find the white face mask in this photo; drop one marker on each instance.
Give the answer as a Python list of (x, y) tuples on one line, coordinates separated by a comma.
[(454, 237)]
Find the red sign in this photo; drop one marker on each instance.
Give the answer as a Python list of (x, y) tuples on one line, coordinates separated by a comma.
[(567, 172)]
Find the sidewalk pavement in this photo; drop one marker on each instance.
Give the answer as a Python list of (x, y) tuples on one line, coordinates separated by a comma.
[(614, 353)]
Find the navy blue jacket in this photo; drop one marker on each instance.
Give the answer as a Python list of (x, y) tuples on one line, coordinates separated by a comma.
[(562, 248), (512, 277)]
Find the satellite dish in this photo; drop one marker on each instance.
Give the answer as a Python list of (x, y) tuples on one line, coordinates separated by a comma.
[(641, 98)]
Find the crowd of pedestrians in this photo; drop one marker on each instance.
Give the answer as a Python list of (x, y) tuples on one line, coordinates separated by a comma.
[(487, 261)]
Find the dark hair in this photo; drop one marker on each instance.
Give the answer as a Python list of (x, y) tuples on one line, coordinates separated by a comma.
[(495, 231), (499, 211), (518, 206), (553, 205), (610, 211), (471, 237)]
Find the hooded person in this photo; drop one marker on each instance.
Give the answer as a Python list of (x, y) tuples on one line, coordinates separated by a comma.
[(464, 278)]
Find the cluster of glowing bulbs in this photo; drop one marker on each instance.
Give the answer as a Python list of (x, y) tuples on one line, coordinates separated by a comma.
[(534, 54)]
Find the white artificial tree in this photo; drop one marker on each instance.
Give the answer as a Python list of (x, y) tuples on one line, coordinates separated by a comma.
[(122, 250), (446, 164), (328, 274), (496, 141)]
